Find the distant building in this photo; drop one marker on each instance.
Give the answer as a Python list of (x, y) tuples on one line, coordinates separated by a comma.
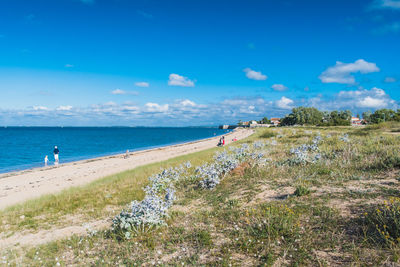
[(275, 121), (356, 121)]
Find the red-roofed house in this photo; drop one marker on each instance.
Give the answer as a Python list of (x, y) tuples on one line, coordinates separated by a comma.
[(356, 121), (275, 121)]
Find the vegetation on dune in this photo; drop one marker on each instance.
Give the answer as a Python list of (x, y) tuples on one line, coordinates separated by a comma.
[(284, 196)]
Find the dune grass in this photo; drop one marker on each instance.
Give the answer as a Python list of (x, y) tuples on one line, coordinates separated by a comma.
[(321, 213), (96, 200)]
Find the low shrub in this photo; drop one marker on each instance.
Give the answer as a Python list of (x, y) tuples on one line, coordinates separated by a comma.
[(268, 134), (383, 223), (302, 191)]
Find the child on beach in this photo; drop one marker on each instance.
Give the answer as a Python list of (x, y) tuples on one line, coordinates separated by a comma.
[(126, 154), (46, 161)]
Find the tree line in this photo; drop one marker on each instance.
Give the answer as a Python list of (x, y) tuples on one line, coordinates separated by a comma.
[(313, 116)]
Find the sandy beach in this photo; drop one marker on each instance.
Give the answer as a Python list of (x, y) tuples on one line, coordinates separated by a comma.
[(17, 187)]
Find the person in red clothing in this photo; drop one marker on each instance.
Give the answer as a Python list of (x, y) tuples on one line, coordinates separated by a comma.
[(223, 140)]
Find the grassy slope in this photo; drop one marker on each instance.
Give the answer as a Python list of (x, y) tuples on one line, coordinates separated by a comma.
[(284, 215)]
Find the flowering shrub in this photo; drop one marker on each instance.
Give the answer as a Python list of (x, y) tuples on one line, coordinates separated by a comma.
[(209, 175), (258, 145), (344, 138), (153, 209), (160, 194), (274, 142), (224, 162), (144, 215), (384, 222), (306, 153)]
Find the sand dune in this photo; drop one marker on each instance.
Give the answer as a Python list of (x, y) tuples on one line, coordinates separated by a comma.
[(18, 187)]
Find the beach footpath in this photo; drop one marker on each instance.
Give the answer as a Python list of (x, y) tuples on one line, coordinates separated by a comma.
[(17, 187)]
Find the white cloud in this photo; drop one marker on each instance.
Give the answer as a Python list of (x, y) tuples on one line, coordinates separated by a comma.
[(64, 108), (279, 87), (394, 4), (357, 100), (187, 103), (388, 28), (40, 108), (178, 80), (142, 84), (254, 75), (369, 102), (341, 72), (130, 109), (154, 107), (110, 103), (284, 103), (375, 92), (123, 92), (68, 65), (390, 80), (118, 92)]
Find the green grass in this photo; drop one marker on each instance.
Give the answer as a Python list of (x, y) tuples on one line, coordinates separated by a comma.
[(98, 199), (300, 215)]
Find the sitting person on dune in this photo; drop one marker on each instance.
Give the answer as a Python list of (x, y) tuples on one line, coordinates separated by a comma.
[(221, 141)]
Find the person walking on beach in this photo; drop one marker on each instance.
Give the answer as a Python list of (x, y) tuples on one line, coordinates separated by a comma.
[(56, 152), (223, 140), (46, 161)]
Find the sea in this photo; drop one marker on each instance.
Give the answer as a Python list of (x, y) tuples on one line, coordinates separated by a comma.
[(24, 148)]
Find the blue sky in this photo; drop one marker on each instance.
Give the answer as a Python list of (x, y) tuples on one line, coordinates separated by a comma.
[(147, 62)]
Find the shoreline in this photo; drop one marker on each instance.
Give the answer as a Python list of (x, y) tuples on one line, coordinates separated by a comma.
[(111, 155), (17, 187)]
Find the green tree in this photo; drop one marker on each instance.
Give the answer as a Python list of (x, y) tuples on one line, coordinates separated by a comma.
[(382, 115), (303, 116), (367, 116), (264, 120)]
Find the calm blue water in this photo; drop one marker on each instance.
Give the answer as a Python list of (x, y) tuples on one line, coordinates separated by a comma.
[(25, 147)]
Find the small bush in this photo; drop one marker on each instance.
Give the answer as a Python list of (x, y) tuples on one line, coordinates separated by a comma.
[(269, 228), (383, 223), (385, 160), (201, 238), (268, 134), (383, 125), (301, 191)]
